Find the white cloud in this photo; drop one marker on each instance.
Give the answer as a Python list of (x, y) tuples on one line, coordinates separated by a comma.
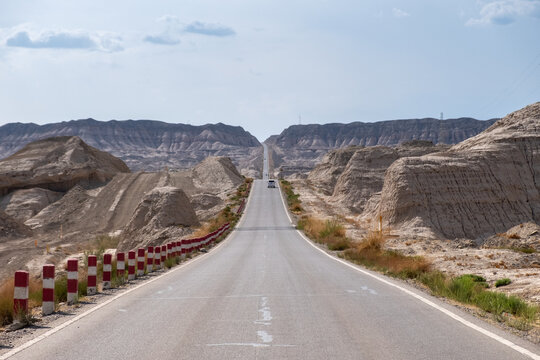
[(175, 28), (23, 37), (503, 12), (398, 13), (208, 29)]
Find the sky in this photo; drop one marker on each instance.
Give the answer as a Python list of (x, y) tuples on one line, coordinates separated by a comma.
[(265, 65)]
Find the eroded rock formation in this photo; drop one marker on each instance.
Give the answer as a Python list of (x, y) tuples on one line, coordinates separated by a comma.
[(484, 185), (57, 164)]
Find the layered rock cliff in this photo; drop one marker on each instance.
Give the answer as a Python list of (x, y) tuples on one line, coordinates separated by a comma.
[(484, 185), (144, 144), (304, 146), (355, 175)]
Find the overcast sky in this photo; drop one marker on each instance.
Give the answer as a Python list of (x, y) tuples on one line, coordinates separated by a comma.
[(261, 64)]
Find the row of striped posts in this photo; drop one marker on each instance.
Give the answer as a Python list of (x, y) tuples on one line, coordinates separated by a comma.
[(155, 259)]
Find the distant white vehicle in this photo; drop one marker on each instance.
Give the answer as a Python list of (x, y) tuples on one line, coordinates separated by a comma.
[(271, 183)]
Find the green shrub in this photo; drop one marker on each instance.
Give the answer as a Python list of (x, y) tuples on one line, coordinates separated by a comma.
[(60, 289), (502, 282)]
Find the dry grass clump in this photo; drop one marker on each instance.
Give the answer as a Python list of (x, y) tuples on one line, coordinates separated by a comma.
[(370, 252), (7, 314), (329, 232)]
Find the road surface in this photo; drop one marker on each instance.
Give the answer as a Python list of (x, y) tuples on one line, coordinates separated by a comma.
[(266, 293)]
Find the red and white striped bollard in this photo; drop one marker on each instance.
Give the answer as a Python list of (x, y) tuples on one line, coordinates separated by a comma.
[(47, 306), (150, 259), (157, 257), (72, 281), (131, 265), (140, 262), (91, 285), (20, 293), (163, 255), (107, 269), (120, 265)]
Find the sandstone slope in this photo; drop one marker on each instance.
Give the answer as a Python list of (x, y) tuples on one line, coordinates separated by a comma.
[(354, 175), (11, 228), (57, 164), (144, 144), (161, 214), (301, 147), (482, 186)]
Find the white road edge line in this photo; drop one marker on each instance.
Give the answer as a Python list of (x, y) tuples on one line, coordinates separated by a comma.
[(43, 336), (447, 312)]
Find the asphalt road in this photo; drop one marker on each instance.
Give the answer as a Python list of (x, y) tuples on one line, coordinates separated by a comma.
[(266, 293)]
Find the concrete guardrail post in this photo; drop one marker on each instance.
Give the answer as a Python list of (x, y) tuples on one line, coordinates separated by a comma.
[(107, 269), (47, 306), (157, 257), (20, 293), (140, 262), (72, 281), (163, 255), (131, 265), (149, 259), (120, 265), (91, 285)]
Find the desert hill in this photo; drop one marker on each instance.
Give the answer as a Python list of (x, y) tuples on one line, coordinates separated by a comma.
[(57, 164), (145, 144), (304, 146), (95, 194), (482, 186), (354, 175)]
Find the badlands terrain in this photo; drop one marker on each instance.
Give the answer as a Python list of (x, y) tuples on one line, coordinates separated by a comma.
[(146, 145), (462, 192), (300, 147), (60, 193), (473, 207)]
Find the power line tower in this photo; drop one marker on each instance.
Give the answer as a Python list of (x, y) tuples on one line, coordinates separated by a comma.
[(442, 118)]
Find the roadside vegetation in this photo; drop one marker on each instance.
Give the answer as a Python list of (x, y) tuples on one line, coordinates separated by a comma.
[(469, 289), (293, 200), (227, 215)]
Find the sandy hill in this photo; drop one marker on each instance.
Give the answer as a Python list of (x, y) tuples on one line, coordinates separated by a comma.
[(142, 208), (484, 185)]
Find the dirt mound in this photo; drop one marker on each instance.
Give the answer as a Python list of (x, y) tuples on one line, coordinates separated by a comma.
[(57, 164), (482, 186), (162, 208), (11, 228), (214, 174), (63, 212), (522, 236), (24, 204)]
